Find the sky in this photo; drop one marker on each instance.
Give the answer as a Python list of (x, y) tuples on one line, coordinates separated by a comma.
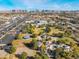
[(39, 4)]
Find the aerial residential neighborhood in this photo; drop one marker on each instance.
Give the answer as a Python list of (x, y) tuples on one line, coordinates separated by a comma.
[(39, 29), (35, 36)]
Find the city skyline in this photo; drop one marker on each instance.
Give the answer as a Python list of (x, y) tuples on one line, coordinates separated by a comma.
[(39, 4)]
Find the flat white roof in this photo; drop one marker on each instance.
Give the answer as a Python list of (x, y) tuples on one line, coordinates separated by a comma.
[(2, 44)]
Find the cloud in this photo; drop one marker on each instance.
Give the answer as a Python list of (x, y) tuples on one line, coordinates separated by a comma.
[(60, 6), (33, 1), (33, 4), (44, 4), (37, 4), (3, 8)]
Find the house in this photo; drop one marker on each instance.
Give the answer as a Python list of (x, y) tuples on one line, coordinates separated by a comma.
[(48, 43), (27, 37), (45, 36), (67, 48), (18, 31), (39, 43), (54, 38), (29, 21), (40, 22), (39, 38), (51, 47)]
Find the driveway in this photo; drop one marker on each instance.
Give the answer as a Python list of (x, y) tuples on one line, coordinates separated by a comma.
[(3, 53)]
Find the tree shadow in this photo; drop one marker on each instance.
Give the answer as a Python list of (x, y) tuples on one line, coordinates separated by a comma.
[(29, 45)]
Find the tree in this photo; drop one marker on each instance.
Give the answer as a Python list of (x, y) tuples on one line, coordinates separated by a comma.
[(38, 57), (57, 52), (76, 52), (30, 31), (33, 35), (41, 56), (43, 47), (45, 57), (47, 29), (12, 50), (58, 35), (67, 33), (19, 36), (66, 40), (16, 36), (35, 43), (24, 55)]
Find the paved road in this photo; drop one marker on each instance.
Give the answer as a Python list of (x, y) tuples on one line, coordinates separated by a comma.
[(11, 25), (3, 53), (7, 39)]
